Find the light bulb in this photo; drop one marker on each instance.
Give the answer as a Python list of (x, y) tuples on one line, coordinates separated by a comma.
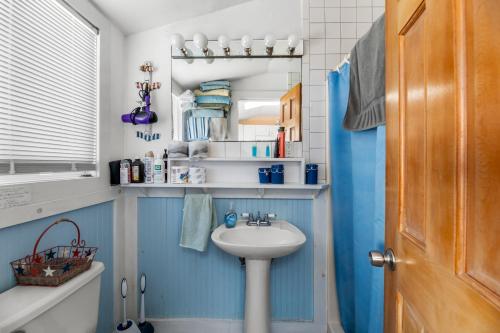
[(269, 40), (177, 41), (200, 40), (293, 41), (246, 41), (223, 41)]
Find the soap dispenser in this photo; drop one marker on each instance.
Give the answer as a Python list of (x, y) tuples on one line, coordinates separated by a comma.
[(230, 217)]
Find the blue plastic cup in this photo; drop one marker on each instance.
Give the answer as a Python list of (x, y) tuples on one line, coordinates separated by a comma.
[(264, 175), (277, 176), (311, 174)]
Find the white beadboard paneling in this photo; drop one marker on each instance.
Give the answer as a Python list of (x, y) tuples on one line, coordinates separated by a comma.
[(318, 140), (318, 107), (317, 124), (348, 14), (317, 155), (364, 14), (317, 30), (316, 3), (348, 30), (317, 93), (318, 77), (317, 62), (233, 150), (332, 14), (377, 12), (317, 15), (317, 46)]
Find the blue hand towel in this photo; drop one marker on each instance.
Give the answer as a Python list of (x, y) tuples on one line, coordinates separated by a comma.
[(200, 100), (199, 219)]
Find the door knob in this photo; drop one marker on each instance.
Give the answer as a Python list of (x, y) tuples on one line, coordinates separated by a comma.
[(380, 259)]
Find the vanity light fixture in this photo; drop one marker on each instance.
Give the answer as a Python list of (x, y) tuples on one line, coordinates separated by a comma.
[(224, 44), (293, 41), (246, 42), (201, 42), (177, 41), (269, 41)]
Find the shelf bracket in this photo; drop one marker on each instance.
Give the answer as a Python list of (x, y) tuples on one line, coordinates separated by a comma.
[(261, 192)]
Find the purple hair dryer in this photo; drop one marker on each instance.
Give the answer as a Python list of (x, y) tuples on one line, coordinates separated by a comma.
[(141, 115)]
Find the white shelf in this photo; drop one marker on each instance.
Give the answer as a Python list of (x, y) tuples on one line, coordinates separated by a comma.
[(234, 186), (314, 190), (249, 159)]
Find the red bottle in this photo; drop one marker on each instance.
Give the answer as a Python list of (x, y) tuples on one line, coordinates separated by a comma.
[(281, 142)]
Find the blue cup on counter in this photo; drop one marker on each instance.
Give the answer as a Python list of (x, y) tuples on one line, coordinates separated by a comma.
[(278, 174), (264, 175), (311, 174)]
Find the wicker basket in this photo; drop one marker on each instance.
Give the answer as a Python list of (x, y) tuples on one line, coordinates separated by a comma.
[(56, 265)]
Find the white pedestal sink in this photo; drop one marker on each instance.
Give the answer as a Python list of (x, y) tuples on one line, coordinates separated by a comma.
[(258, 245)]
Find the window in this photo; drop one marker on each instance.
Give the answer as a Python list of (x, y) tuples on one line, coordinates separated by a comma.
[(48, 89)]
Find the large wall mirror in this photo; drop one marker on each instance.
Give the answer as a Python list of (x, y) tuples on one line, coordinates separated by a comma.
[(236, 99)]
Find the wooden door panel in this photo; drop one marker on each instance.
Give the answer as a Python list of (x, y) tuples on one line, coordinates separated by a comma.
[(480, 227), (413, 122), (291, 113), (443, 165)]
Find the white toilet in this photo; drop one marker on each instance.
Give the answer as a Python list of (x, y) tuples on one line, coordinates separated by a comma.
[(72, 307)]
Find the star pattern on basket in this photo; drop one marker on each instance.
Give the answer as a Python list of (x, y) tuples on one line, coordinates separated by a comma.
[(76, 253), (48, 271), (20, 270), (66, 267), (37, 259), (90, 255), (34, 271), (50, 255)]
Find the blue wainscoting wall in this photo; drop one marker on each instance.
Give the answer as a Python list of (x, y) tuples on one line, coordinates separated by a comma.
[(96, 225), (183, 283)]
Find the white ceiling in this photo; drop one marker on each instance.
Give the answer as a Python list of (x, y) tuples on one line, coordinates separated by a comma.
[(133, 16)]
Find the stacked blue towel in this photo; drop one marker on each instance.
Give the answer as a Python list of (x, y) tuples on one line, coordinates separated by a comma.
[(212, 85)]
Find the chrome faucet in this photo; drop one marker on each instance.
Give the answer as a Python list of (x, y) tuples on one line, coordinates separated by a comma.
[(258, 220)]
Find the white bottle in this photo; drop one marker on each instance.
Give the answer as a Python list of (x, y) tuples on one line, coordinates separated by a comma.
[(159, 169), (124, 172), (149, 160)]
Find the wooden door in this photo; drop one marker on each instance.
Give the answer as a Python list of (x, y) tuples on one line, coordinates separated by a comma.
[(443, 166), (290, 113)]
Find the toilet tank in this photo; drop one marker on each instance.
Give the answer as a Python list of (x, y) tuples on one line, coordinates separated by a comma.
[(72, 307)]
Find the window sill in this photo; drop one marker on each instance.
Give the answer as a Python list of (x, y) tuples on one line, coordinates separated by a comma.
[(21, 179)]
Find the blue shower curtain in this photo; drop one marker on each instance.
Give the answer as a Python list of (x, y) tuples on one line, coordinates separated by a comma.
[(357, 165)]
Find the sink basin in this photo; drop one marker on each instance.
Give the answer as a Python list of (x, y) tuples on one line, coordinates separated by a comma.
[(258, 245), (252, 242)]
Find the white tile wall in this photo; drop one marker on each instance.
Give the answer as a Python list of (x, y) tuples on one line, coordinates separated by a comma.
[(330, 30)]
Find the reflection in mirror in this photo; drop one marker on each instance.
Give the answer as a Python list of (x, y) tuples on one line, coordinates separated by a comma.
[(236, 99)]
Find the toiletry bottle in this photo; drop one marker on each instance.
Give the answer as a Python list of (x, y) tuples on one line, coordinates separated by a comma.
[(165, 161), (254, 150), (149, 161), (230, 217), (281, 141), (159, 169), (137, 171), (124, 172), (268, 151)]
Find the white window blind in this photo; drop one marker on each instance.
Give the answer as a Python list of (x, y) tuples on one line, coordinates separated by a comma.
[(48, 88)]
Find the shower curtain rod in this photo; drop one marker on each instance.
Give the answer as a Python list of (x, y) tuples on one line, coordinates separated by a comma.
[(346, 60)]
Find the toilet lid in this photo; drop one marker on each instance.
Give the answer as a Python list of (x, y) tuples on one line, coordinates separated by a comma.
[(22, 304)]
